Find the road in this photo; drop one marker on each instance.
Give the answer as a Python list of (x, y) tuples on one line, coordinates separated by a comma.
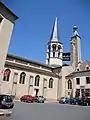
[(48, 111)]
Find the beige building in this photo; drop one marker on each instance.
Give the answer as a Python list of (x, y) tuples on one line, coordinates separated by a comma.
[(7, 21), (53, 80)]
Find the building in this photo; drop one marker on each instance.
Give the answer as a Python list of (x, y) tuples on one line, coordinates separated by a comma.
[(7, 21), (53, 80), (81, 79)]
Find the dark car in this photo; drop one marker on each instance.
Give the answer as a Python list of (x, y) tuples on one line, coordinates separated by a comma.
[(27, 98), (6, 102), (87, 101), (74, 101), (84, 101)]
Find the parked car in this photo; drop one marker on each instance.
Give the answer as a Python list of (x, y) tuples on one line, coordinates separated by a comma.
[(87, 101), (6, 102), (84, 101), (27, 98), (39, 99), (74, 101), (64, 100)]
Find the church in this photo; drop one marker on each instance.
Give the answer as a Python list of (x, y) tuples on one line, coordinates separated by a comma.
[(55, 78)]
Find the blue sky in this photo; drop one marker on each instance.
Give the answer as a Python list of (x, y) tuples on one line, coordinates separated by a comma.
[(33, 28)]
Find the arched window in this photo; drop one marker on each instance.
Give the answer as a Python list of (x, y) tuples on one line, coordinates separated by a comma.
[(37, 79), (50, 83), (6, 75), (77, 69), (22, 78), (69, 84), (58, 54), (53, 54), (49, 48), (59, 47), (49, 54), (54, 47)]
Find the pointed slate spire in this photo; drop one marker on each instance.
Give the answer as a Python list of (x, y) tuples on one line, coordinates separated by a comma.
[(75, 31), (55, 33)]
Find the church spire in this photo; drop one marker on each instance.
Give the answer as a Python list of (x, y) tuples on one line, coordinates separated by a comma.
[(54, 48), (55, 33)]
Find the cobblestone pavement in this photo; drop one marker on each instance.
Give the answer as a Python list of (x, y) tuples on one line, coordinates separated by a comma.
[(48, 111)]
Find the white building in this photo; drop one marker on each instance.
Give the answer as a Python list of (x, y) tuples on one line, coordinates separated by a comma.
[(53, 80)]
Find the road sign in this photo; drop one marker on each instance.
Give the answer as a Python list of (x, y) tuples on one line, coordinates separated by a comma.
[(66, 56)]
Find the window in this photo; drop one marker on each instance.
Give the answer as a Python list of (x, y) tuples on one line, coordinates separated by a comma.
[(50, 83), (87, 80), (77, 81), (22, 78), (77, 93), (6, 75), (49, 54), (87, 92), (59, 47), (37, 79), (54, 47), (87, 68), (77, 69), (69, 84), (59, 55), (53, 54)]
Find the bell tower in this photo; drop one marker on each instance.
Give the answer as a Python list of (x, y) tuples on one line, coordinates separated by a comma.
[(75, 48), (54, 47)]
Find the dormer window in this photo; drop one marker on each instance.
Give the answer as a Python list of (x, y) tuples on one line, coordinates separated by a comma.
[(77, 69), (87, 67)]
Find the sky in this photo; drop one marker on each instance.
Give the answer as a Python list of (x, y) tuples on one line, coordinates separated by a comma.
[(33, 28)]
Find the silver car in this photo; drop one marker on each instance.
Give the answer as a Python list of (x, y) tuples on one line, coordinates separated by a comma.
[(40, 99)]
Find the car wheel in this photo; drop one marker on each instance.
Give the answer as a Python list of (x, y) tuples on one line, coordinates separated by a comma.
[(0, 106), (87, 104), (76, 103)]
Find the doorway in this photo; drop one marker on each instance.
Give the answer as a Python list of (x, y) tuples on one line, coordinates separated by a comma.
[(36, 92)]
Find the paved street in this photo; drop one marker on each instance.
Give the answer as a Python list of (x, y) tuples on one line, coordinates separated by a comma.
[(48, 111)]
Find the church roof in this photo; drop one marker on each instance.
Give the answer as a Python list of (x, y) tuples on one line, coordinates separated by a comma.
[(83, 65), (7, 13), (82, 68), (24, 60)]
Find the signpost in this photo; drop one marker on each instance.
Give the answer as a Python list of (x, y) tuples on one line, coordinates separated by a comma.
[(66, 56)]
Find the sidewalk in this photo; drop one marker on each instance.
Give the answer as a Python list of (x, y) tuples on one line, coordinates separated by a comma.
[(5, 112), (51, 101)]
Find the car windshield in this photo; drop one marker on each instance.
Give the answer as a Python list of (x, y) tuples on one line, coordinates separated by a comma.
[(41, 96), (7, 98)]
